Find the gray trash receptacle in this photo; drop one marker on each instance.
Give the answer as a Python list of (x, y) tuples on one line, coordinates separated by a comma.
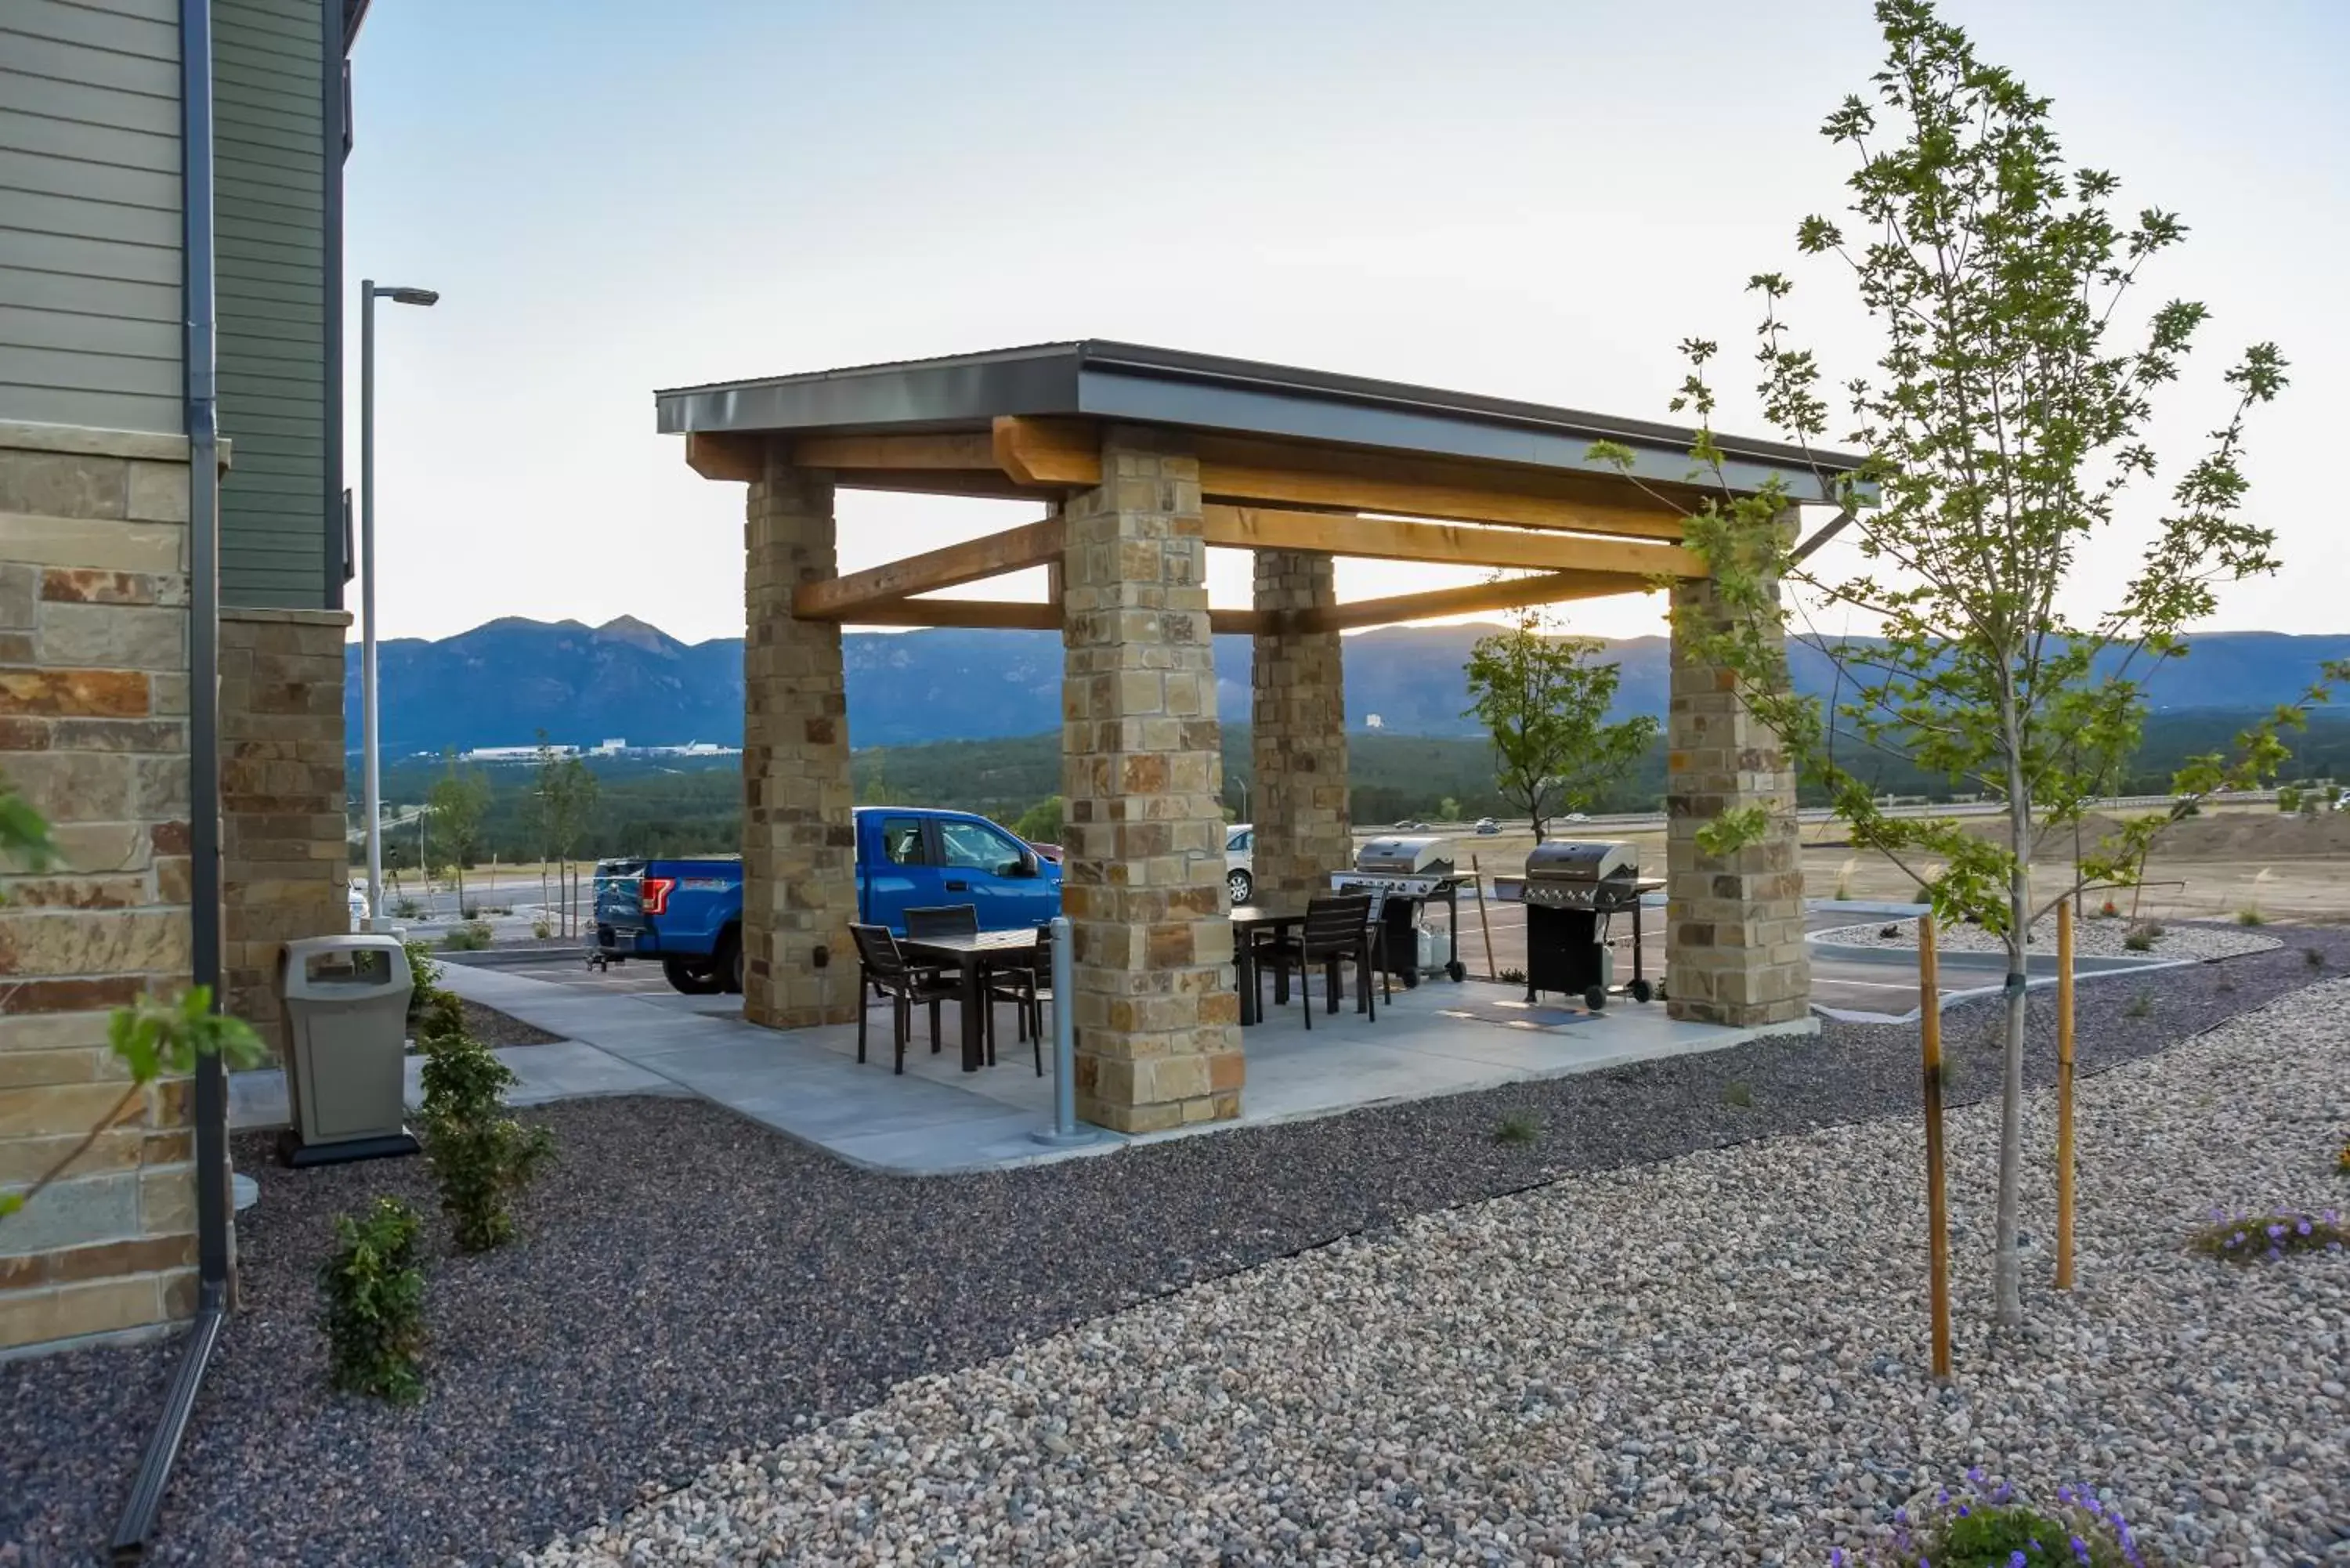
[(346, 1001)]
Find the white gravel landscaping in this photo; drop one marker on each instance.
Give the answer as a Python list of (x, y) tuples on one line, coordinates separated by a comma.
[(1718, 1359), (2091, 939)]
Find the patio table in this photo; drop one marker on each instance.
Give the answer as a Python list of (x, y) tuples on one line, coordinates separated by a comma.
[(1248, 920), (969, 955)]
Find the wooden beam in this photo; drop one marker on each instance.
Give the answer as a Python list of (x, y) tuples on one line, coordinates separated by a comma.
[(888, 452), (996, 615), (1248, 469), (987, 615), (1014, 549), (1337, 534), (722, 456), (986, 484), (1048, 450), (1514, 594)]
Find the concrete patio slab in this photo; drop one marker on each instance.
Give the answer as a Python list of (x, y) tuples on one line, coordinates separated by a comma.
[(561, 1070), (936, 1119)]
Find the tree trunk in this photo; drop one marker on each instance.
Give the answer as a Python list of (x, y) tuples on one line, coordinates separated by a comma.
[(2007, 1264)]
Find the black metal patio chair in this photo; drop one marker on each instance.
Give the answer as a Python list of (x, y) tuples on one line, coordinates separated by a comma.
[(1337, 930), (1027, 986), (882, 965)]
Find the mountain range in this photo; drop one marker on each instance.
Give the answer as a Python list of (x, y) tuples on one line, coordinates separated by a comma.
[(502, 684)]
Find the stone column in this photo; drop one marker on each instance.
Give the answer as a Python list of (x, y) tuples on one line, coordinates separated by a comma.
[(799, 836), (285, 856), (1734, 924), (1155, 1015), (94, 734), (1298, 802)]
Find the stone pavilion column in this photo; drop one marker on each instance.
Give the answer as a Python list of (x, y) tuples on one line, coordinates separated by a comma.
[(1156, 1019), (799, 836), (1734, 924), (1298, 802)]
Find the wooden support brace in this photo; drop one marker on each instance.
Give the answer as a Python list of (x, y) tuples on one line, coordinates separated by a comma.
[(1553, 588), (854, 594), (726, 456)]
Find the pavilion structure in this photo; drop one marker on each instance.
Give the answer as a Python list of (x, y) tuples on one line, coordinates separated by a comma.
[(1141, 461)]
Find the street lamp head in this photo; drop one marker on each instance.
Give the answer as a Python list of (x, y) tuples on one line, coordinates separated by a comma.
[(411, 296)]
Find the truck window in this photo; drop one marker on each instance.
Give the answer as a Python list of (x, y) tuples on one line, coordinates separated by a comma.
[(976, 847), (901, 840)]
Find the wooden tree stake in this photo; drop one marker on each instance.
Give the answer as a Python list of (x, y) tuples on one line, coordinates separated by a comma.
[(2065, 1097), (1929, 1029), (1477, 875)]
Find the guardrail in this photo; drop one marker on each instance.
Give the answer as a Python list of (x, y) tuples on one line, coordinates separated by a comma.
[(1809, 814)]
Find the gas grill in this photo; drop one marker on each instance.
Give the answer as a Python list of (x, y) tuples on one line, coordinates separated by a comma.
[(1403, 874), (1573, 888)]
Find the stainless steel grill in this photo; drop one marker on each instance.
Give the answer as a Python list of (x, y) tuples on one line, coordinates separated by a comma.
[(1573, 886), (1581, 873), (1403, 873)]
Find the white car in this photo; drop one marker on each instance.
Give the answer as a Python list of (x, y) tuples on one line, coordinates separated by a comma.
[(359, 903), (1240, 861)]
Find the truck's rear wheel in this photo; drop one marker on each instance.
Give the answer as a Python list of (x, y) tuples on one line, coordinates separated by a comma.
[(693, 977), (726, 965)]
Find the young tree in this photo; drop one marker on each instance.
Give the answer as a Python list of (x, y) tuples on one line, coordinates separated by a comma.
[(571, 809), (460, 798), (1544, 702), (1041, 823), (2006, 422)]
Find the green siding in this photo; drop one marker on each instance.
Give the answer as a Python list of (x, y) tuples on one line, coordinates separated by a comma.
[(273, 299)]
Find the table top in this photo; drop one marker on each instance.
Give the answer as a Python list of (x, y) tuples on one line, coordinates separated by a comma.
[(984, 943), (1265, 915)]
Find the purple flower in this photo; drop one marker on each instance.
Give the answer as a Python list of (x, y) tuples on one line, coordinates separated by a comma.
[(2016, 1560), (2274, 1231), (1974, 1474), (2080, 1549), (2237, 1239), (2304, 1227), (1836, 1558)]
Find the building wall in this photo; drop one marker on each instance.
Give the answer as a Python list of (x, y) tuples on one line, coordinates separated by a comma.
[(94, 732), (281, 506), (89, 180), (284, 859)]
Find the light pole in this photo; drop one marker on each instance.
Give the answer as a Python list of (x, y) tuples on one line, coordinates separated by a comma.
[(371, 755)]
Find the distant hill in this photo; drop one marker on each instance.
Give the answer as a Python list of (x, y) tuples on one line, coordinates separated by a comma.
[(500, 684)]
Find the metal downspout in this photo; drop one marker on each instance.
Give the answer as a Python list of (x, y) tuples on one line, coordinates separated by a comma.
[(137, 1521)]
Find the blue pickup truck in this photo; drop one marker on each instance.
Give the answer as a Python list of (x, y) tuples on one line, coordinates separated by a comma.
[(689, 913)]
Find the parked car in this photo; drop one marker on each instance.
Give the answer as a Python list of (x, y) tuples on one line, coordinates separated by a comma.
[(1487, 826), (688, 913), (358, 906), (1406, 825), (1240, 861), (1575, 816), (1045, 851)]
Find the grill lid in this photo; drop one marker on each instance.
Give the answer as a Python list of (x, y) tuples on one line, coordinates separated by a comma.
[(1583, 860), (1400, 855)]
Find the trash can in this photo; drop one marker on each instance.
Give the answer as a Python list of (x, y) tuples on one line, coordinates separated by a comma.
[(345, 1025)]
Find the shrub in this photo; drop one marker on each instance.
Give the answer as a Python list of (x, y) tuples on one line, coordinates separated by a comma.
[(2109, 910), (1738, 1094), (480, 1156), (470, 937), (542, 929), (1511, 976), (2140, 941), (2141, 1006), (471, 911), (1517, 1128), (2314, 957), (441, 1015), (2257, 1236), (407, 909), (1989, 1527), (2225, 984), (2289, 800), (423, 975), (374, 1293), (2250, 917)]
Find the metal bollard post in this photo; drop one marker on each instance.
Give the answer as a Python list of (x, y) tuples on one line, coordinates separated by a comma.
[(1065, 1132)]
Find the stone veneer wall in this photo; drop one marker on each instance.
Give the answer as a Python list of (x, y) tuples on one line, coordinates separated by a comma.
[(1156, 1019), (1734, 949), (94, 733), (1298, 735), (284, 855), (799, 835)]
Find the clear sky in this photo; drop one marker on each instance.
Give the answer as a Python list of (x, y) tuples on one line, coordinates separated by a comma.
[(1534, 200)]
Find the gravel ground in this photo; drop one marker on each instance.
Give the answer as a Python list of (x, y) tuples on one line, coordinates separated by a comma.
[(1708, 1361), (689, 1284), (491, 1027), (71, 1429), (2095, 938)]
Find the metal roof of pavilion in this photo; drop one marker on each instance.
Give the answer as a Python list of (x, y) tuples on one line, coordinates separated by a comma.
[(1098, 379)]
